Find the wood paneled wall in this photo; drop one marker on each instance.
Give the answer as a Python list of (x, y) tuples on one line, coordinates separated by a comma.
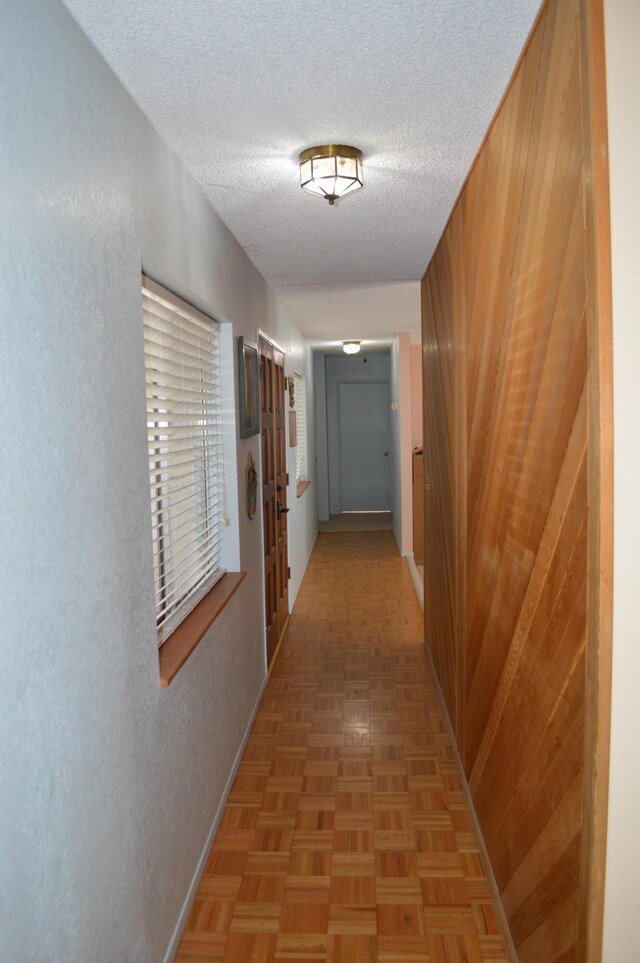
[(512, 428)]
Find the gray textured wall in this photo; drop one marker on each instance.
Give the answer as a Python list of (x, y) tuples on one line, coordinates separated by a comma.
[(109, 784)]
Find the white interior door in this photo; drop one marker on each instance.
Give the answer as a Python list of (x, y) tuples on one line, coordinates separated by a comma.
[(364, 446)]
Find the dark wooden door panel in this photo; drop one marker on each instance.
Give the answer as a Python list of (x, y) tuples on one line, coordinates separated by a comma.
[(274, 493)]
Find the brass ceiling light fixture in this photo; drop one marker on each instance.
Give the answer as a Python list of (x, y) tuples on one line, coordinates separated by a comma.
[(331, 171), (351, 347)]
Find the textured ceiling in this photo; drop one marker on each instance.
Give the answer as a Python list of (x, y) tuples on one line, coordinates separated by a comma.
[(237, 89)]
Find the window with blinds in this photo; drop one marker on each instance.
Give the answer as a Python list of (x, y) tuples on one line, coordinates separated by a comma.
[(184, 432), (301, 427)]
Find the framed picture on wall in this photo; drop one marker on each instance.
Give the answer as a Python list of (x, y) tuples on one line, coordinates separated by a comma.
[(248, 388)]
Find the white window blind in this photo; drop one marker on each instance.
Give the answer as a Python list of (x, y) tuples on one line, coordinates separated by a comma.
[(181, 348), (301, 427)]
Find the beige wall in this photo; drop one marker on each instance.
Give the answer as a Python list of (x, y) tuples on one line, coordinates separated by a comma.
[(416, 396), (622, 894), (401, 420)]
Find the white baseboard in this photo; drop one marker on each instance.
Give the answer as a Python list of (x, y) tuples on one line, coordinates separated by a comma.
[(484, 855), (176, 936), (417, 581)]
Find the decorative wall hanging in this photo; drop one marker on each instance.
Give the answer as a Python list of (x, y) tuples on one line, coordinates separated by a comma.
[(248, 388), (291, 384), (252, 487)]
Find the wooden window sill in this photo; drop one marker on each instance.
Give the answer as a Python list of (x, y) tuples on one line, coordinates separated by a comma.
[(301, 488), (181, 643)]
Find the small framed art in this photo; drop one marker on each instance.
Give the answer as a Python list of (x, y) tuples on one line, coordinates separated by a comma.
[(248, 388)]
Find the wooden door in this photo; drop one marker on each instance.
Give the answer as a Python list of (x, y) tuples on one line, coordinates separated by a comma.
[(274, 493)]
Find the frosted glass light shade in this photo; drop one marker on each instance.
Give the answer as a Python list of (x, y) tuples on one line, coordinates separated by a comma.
[(351, 347), (331, 171)]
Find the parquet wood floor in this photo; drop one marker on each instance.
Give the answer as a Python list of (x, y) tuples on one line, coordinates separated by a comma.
[(346, 837)]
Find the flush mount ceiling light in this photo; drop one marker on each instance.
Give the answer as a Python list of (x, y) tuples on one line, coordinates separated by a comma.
[(350, 347), (331, 171)]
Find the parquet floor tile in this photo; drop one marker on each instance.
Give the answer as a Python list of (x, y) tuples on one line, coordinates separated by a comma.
[(346, 837)]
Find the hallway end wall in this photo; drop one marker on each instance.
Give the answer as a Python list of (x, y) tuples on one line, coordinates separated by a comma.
[(346, 370), (509, 406)]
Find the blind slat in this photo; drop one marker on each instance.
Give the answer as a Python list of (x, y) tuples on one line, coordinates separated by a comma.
[(176, 460), (167, 593), (160, 516), (191, 563), (208, 579)]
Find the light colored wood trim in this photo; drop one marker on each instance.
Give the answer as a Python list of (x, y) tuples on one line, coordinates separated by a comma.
[(272, 341), (600, 491), (301, 488), (175, 651), (417, 501)]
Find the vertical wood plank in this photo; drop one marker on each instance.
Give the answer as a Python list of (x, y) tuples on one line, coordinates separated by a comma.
[(517, 377)]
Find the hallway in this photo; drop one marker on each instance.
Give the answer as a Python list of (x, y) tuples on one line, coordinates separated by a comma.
[(346, 837)]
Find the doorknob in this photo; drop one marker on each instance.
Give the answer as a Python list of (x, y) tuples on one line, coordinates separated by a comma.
[(386, 454), (280, 509)]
